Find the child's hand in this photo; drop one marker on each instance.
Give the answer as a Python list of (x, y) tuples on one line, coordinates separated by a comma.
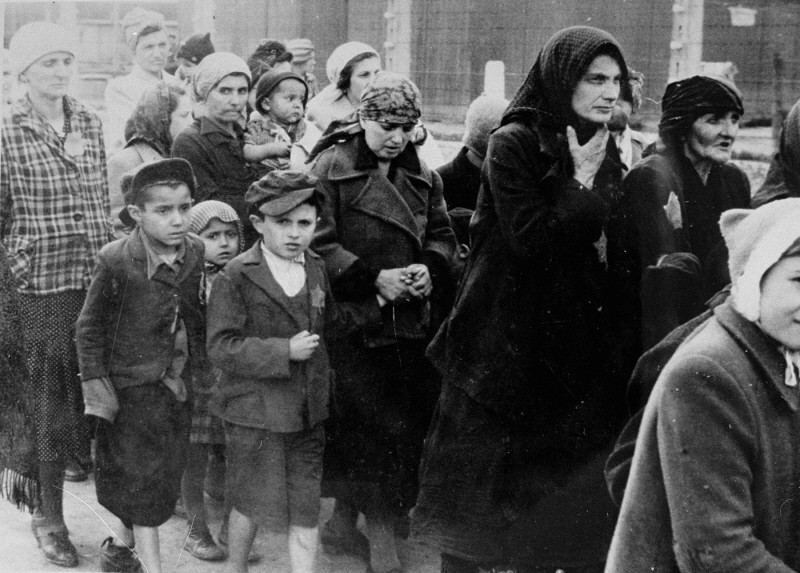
[(302, 346), (283, 148)]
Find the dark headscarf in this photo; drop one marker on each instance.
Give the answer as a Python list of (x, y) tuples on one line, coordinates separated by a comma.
[(152, 117), (783, 177), (686, 100), (546, 95)]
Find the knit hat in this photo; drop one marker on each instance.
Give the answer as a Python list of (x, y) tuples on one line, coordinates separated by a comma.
[(756, 240), (342, 55), (280, 191), (390, 98), (483, 115), (155, 172), (206, 211), (37, 39), (135, 21), (301, 48), (196, 47), (271, 80), (213, 68)]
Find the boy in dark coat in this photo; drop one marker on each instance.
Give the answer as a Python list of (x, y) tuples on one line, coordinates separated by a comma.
[(267, 312), (138, 335)]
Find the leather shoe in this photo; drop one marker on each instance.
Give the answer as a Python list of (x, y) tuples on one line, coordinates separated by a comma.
[(202, 546), (351, 542), (118, 559), (57, 547)]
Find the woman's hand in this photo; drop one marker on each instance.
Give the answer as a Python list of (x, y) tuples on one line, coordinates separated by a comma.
[(587, 158), (418, 278), (393, 286)]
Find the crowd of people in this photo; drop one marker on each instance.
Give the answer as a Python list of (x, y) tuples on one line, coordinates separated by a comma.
[(564, 350)]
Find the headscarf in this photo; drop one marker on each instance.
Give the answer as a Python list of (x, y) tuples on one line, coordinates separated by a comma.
[(390, 98), (686, 100), (783, 177), (546, 95), (205, 211), (301, 48), (37, 39), (151, 119), (213, 68), (136, 20), (342, 55), (196, 47)]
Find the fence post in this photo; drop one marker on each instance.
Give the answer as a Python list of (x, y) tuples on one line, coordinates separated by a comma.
[(494, 79)]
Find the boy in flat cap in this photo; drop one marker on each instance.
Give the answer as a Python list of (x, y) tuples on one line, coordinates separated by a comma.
[(267, 315), (139, 336)]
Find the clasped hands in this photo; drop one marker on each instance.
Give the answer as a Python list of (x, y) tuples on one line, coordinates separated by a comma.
[(404, 284)]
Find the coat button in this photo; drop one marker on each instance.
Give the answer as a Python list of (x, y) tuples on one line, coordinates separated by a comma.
[(77, 216)]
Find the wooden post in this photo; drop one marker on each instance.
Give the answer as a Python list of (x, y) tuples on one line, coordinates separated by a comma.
[(686, 46), (778, 112)]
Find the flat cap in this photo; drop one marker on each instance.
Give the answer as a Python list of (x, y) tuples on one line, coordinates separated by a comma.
[(155, 172), (279, 192)]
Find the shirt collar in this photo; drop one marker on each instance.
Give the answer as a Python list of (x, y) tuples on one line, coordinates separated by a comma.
[(274, 259), (154, 260)]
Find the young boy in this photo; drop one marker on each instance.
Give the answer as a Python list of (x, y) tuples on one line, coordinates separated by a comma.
[(138, 336), (277, 135), (267, 312)]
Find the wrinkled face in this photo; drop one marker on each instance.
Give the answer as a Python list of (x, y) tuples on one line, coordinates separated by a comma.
[(49, 76), (285, 103), (597, 91), (151, 52), (620, 116), (711, 137), (226, 100), (164, 216), (386, 140), (181, 118), (780, 302), (363, 73), (290, 234), (221, 240)]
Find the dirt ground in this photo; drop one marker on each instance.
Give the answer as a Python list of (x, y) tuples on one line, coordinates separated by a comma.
[(87, 522)]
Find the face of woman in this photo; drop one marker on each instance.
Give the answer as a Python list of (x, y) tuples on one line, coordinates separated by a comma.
[(49, 76), (226, 100), (386, 140), (181, 118), (780, 302), (597, 91), (152, 51), (363, 73), (711, 137)]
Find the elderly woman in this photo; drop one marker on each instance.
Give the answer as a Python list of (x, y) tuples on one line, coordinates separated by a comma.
[(53, 210), (146, 35), (383, 232), (213, 142), (511, 475), (672, 250), (163, 112), (713, 486)]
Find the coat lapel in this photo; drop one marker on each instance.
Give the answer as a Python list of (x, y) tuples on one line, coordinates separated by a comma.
[(255, 268), (315, 282)]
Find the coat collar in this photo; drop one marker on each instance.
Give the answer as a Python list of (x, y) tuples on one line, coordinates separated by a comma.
[(353, 158), (761, 349), (138, 252), (208, 126)]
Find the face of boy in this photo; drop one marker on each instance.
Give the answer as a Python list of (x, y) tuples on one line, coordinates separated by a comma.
[(221, 240), (285, 103), (290, 234), (164, 216)]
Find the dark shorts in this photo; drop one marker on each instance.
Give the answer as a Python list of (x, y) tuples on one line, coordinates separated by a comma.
[(274, 478), (141, 455)]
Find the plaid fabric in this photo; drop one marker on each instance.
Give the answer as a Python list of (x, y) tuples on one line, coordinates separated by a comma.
[(53, 207)]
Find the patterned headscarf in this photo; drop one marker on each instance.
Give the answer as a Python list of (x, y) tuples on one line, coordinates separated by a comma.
[(151, 119), (390, 98), (546, 95), (206, 211), (686, 100), (213, 68)]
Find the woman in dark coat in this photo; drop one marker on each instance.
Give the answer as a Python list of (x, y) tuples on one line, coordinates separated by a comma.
[(512, 468), (672, 255), (783, 176), (383, 232)]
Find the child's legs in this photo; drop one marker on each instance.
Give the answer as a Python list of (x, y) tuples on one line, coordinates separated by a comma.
[(123, 535), (303, 542), (148, 547), (241, 533), (192, 486)]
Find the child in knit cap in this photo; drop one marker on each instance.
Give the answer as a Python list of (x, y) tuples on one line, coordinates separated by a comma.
[(277, 134), (268, 311), (713, 482)]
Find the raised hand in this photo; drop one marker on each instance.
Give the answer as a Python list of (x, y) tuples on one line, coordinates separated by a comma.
[(587, 158)]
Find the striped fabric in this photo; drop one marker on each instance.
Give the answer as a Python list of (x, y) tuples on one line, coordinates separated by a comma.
[(53, 207)]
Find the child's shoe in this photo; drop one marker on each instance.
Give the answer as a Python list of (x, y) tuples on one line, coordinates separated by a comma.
[(201, 545), (117, 559)]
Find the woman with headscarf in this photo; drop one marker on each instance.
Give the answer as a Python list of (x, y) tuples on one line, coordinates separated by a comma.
[(713, 484), (213, 142), (511, 475), (162, 113), (383, 232), (783, 176), (53, 221), (671, 257)]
